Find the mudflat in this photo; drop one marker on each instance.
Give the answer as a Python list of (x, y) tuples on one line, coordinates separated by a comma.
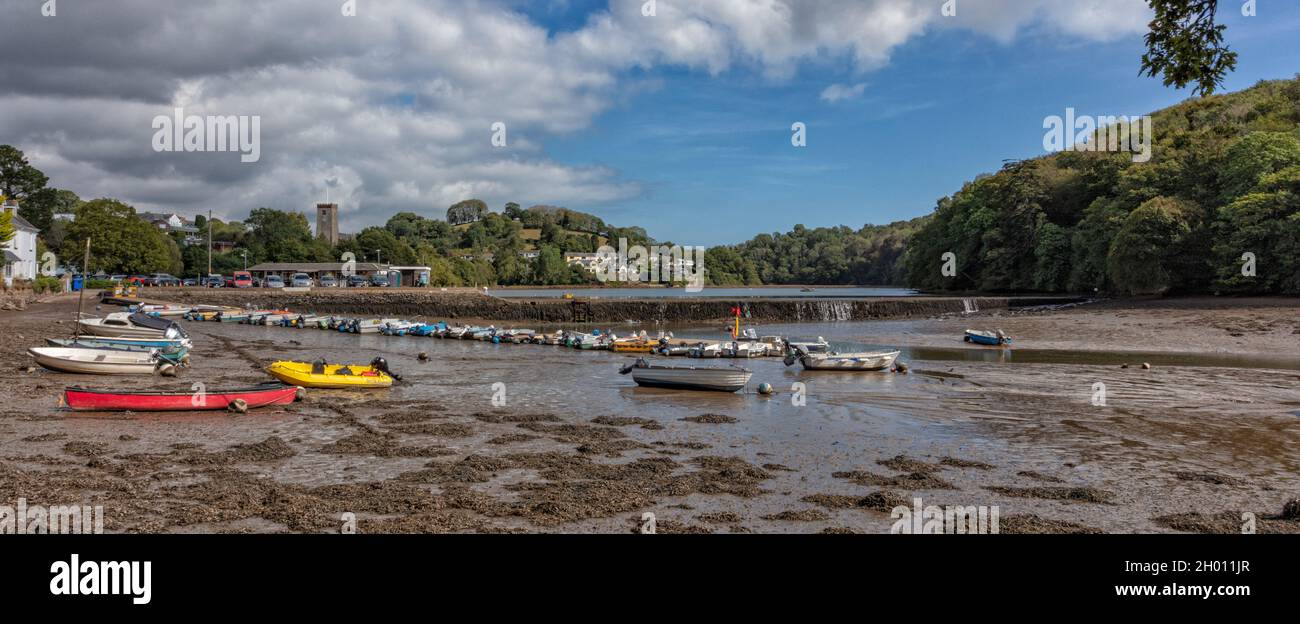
[(527, 438)]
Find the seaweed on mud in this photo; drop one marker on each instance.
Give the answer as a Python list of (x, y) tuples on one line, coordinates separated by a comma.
[(721, 517), (956, 462), (668, 526), (1040, 476), (512, 438), (46, 437), (1074, 494), (85, 449), (441, 430), (623, 421), (1207, 477), (914, 480), (883, 501), (380, 445), (1030, 523), (470, 469), (802, 515), (270, 449), (903, 463), (778, 467), (711, 419), (515, 418), (838, 531)]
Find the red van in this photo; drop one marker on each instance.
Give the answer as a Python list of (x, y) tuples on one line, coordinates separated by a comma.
[(243, 279)]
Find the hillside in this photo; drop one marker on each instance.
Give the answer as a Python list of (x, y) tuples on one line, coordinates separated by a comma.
[(1222, 188)]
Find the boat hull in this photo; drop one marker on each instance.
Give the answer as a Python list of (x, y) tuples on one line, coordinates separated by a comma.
[(849, 361), (119, 331), (299, 374), (689, 378), (87, 400), (94, 361)]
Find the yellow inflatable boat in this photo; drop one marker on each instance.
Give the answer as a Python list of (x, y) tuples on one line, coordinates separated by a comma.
[(321, 375)]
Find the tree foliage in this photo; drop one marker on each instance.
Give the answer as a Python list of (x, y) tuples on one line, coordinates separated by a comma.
[(121, 242), (1185, 45)]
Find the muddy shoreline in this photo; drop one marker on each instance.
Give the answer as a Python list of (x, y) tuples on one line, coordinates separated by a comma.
[(464, 304), (576, 449)]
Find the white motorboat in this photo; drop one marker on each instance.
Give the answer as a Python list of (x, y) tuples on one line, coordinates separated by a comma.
[(873, 361), (95, 361), (121, 325), (721, 379)]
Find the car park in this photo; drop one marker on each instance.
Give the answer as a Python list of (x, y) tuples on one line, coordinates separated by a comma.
[(379, 280), (358, 281), (241, 279), (300, 280), (328, 281), (274, 281)]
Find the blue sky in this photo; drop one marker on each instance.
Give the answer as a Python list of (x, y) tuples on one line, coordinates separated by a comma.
[(714, 158), (677, 122)]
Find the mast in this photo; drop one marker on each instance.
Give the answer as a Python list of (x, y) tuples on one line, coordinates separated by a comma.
[(81, 294), (209, 242)]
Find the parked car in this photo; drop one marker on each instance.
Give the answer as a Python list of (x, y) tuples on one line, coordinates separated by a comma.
[(257, 282), (134, 280), (328, 281), (379, 279), (242, 279), (358, 281), (162, 279), (117, 278), (274, 281), (301, 280), (189, 281), (213, 281)]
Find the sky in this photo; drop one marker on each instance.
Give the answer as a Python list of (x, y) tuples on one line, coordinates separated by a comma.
[(676, 119)]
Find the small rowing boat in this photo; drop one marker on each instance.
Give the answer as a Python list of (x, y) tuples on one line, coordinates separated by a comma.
[(95, 361), (175, 352), (632, 345), (90, 400), (845, 361), (321, 375), (724, 379), (984, 337)]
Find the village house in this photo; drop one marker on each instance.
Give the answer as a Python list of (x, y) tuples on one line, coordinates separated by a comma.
[(19, 251)]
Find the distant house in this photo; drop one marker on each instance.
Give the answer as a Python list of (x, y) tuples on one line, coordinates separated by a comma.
[(20, 251), (169, 222), (589, 261), (530, 255)]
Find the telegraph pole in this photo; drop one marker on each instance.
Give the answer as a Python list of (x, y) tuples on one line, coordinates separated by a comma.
[(209, 242)]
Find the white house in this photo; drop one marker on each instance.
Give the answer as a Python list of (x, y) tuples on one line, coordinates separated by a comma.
[(20, 251)]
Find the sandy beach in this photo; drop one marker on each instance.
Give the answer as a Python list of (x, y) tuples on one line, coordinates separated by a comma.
[(1182, 446)]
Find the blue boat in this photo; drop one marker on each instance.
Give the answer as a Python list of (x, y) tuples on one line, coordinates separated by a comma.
[(428, 329), (992, 339)]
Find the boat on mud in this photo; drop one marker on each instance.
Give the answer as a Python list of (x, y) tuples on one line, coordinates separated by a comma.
[(131, 325), (719, 379), (321, 375), (867, 361), (95, 361), (984, 337), (92, 400), (176, 352)]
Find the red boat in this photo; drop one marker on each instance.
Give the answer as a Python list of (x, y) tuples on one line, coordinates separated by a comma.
[(86, 399)]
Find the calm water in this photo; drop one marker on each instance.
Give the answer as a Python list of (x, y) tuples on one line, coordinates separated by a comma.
[(847, 292)]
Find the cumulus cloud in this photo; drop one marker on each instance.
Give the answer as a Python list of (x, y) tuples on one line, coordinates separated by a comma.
[(837, 92), (392, 109)]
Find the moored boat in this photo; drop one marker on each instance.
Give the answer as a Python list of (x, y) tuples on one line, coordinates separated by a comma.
[(869, 361), (87, 399), (125, 325), (721, 379), (174, 352), (322, 375), (95, 361), (984, 337)]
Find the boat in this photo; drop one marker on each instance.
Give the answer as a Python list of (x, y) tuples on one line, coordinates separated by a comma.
[(370, 326), (705, 350), (91, 400), (427, 329), (397, 328), (131, 325), (632, 345), (174, 352), (95, 361), (867, 361), (160, 309), (321, 375), (722, 379), (807, 346), (232, 317), (742, 349), (983, 337)]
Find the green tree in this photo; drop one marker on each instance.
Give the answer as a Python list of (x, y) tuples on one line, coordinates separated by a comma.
[(1255, 156), (1140, 256), (278, 236), (18, 178), (7, 229), (467, 211), (41, 206), (1185, 45), (121, 242)]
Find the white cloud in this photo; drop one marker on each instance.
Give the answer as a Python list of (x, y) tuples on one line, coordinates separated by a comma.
[(396, 104), (837, 92)]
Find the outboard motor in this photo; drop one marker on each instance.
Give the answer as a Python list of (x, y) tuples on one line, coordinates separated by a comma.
[(381, 365)]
